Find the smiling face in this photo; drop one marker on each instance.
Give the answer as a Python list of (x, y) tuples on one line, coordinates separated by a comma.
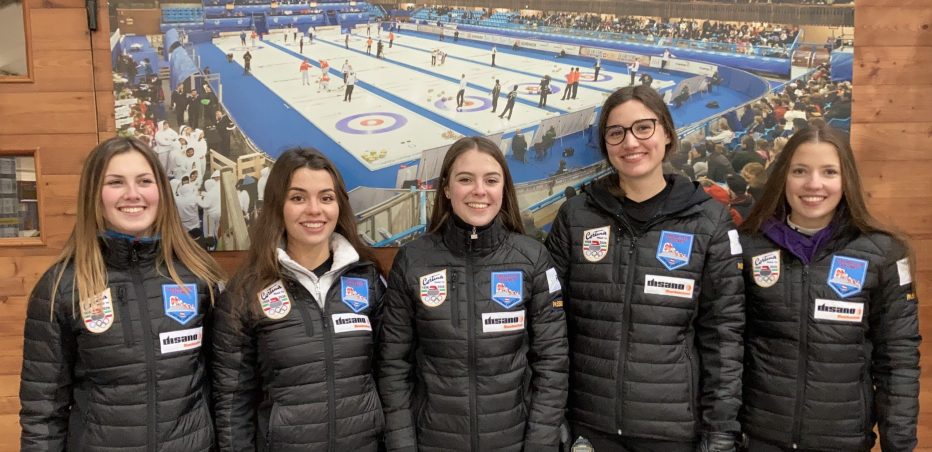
[(475, 187), (814, 185), (310, 212), (633, 158), (129, 195)]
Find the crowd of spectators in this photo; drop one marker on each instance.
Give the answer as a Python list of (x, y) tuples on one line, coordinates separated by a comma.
[(733, 158), (182, 147), (746, 35)]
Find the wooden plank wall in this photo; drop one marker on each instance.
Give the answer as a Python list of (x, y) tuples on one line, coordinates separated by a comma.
[(891, 134), (69, 108)]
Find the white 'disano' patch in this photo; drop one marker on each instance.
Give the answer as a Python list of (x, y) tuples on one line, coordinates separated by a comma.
[(350, 322), (497, 322), (669, 286), (181, 340), (838, 311)]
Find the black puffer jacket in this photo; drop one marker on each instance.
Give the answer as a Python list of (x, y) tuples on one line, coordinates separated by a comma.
[(655, 352), (139, 382), (824, 364), (300, 378), (473, 355)]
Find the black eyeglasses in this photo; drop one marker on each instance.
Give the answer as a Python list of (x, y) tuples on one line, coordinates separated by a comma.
[(642, 129)]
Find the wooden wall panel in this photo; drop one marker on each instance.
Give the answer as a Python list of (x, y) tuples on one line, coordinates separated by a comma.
[(57, 114), (891, 133)]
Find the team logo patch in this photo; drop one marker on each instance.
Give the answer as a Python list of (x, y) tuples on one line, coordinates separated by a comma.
[(355, 293), (507, 288), (838, 311), (434, 289), (671, 287), (766, 268), (595, 243), (674, 249), (500, 322), (97, 312), (846, 275), (180, 301), (274, 301)]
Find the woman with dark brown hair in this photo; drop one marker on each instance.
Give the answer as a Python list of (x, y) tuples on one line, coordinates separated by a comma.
[(654, 296), (473, 353), (832, 337), (112, 356), (296, 327)]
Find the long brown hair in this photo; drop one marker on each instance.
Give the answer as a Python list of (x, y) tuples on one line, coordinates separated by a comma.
[(773, 202), (510, 213), (261, 266), (83, 248)]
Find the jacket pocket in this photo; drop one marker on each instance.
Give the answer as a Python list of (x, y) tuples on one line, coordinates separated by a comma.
[(693, 390), (127, 322), (269, 431)]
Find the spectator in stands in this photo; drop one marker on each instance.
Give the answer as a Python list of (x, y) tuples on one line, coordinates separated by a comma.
[(841, 108), (179, 104), (722, 132), (740, 200), (755, 175), (225, 128), (210, 202), (165, 141), (697, 154), (679, 164), (747, 153), (719, 166), (260, 186), (796, 112)]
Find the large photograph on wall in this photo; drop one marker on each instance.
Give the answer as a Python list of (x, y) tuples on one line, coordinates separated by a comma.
[(220, 88)]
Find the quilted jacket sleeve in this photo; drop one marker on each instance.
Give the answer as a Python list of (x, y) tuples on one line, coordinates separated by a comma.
[(49, 351), (235, 379), (548, 357), (397, 343), (894, 326), (720, 330)]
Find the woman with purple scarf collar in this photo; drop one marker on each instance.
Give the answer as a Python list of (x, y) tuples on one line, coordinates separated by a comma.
[(832, 338)]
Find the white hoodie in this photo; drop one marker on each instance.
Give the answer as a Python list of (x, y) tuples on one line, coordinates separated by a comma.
[(343, 255)]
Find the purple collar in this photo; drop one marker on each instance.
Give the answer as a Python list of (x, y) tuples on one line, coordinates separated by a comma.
[(801, 245)]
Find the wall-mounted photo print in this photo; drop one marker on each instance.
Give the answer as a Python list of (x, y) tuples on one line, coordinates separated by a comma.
[(221, 88)]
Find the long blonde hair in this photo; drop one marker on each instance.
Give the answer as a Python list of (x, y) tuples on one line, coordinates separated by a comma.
[(83, 248)]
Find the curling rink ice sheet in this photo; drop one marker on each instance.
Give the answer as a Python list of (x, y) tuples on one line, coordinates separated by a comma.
[(411, 106)]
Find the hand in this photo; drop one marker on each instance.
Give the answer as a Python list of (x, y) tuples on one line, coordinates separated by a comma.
[(717, 442)]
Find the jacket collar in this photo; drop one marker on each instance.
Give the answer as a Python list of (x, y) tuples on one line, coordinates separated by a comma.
[(463, 242), (121, 251), (343, 252), (685, 195)]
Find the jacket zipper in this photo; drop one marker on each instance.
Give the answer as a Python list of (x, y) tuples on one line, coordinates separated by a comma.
[(127, 320), (328, 350), (625, 327), (471, 346), (801, 359), (331, 385), (455, 305), (145, 319)]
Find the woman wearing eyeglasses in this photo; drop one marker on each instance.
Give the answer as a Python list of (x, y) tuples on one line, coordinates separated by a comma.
[(653, 294)]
